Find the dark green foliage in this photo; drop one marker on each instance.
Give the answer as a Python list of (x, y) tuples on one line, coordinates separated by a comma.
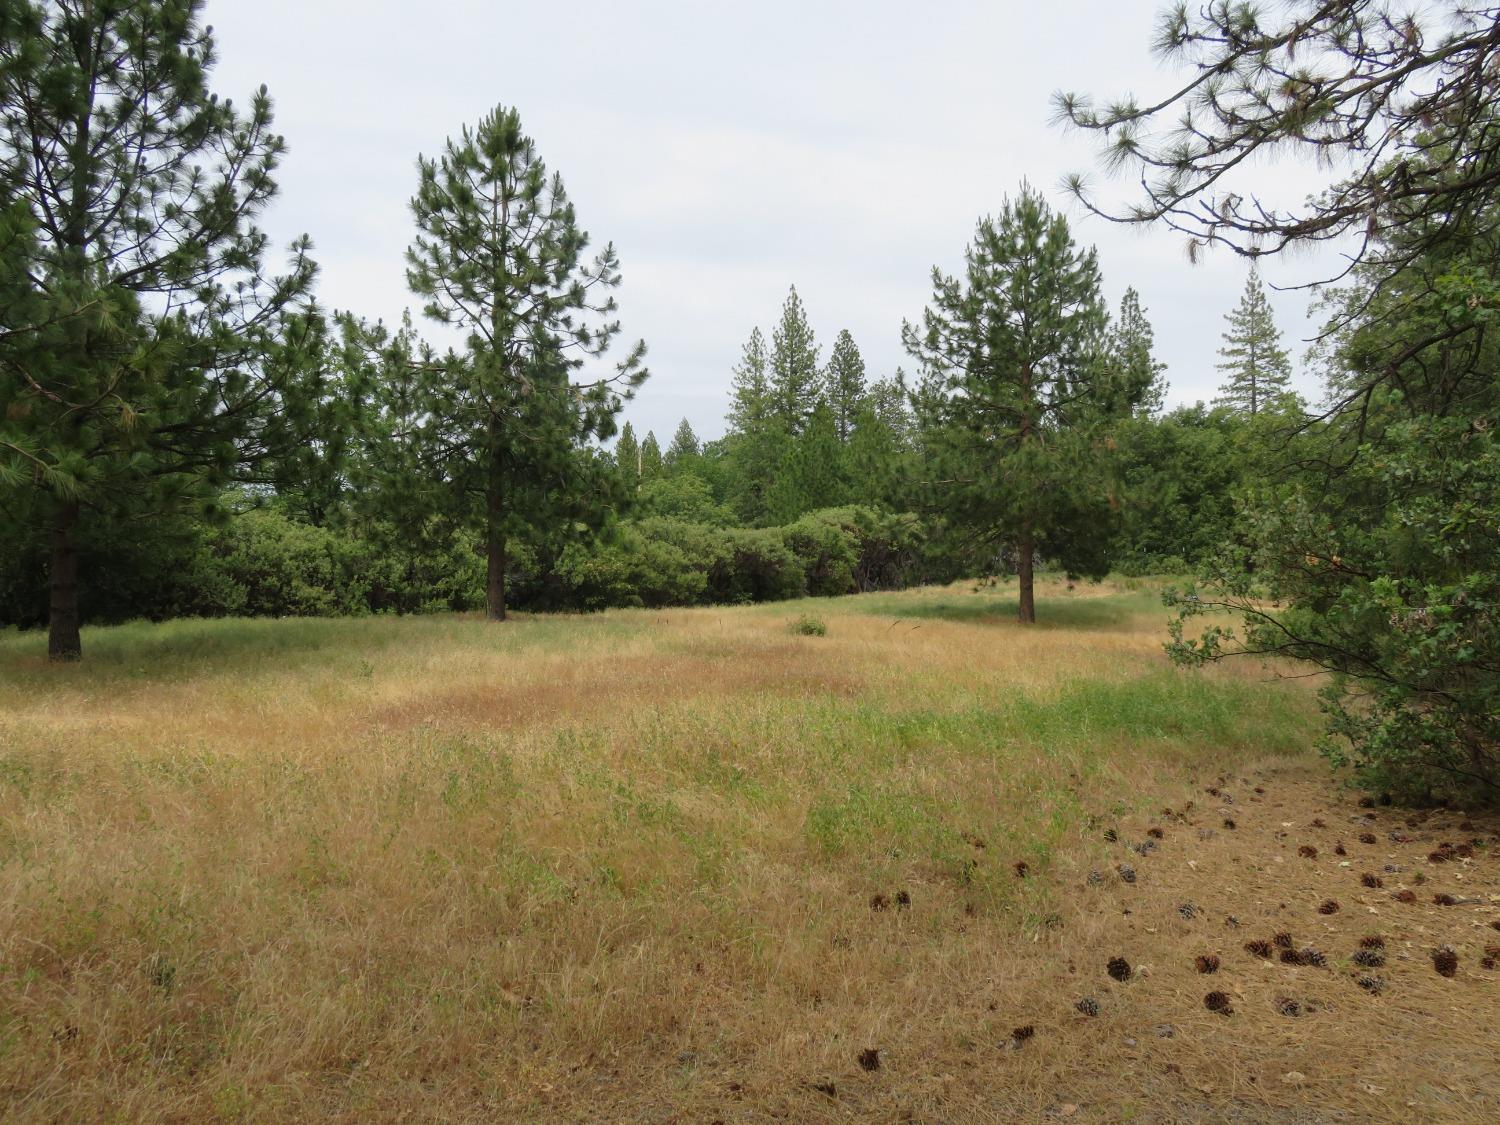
[(150, 355), (813, 474), (750, 391), (1373, 556), (682, 496), (507, 423), (845, 384), (1180, 474), (1257, 368), (877, 461), (809, 626), (1131, 344), (650, 458), (1016, 388), (1366, 544), (828, 553), (259, 563), (628, 459), (156, 569), (795, 383), (800, 440), (740, 564), (634, 568), (665, 561), (684, 448), (856, 549)]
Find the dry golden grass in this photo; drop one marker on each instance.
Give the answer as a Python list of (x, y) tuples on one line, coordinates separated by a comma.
[(621, 868)]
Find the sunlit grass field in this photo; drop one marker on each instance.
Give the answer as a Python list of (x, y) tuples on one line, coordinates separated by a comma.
[(608, 867)]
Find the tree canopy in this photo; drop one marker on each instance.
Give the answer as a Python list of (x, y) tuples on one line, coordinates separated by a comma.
[(500, 255)]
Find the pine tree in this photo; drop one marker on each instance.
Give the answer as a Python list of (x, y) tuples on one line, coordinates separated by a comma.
[(1131, 340), (1258, 368), (794, 377), (751, 384), (1012, 354), (684, 446), (628, 459), (845, 383), (817, 466), (651, 461), (888, 399), (385, 374), (755, 446), (875, 459), (500, 255), (151, 357)]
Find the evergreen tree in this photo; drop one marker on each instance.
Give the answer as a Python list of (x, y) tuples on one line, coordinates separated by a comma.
[(684, 446), (1258, 369), (751, 401), (651, 462), (888, 399), (1130, 343), (755, 446), (794, 377), (500, 254), (818, 467), (161, 360), (389, 477), (875, 459), (845, 383), (1014, 382), (628, 459)]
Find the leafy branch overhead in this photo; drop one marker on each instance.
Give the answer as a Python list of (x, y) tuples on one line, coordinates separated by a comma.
[(1374, 92)]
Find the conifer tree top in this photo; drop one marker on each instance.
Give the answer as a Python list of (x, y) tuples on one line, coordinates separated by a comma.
[(1258, 368)]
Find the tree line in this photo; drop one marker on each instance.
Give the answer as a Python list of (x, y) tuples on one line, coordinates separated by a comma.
[(163, 381), (183, 428)]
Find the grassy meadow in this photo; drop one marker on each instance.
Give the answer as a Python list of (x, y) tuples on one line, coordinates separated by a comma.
[(609, 867)]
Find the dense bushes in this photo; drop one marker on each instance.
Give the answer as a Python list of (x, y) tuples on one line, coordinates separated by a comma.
[(262, 563), (659, 561), (257, 563)]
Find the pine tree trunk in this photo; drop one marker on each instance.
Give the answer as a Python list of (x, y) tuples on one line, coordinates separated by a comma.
[(1026, 552), (495, 540), (63, 640), (1026, 545)]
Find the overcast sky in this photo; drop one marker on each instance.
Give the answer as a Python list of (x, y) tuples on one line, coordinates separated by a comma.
[(728, 152)]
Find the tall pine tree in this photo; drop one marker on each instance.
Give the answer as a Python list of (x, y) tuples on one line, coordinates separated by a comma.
[(499, 254), (751, 386), (755, 445), (1013, 355), (684, 445), (651, 460), (628, 459), (1131, 340), (845, 383), (795, 382), (875, 459), (1257, 367), (163, 359)]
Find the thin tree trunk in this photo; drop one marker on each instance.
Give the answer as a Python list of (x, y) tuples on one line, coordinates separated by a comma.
[(1026, 546), (63, 640), (1026, 551), (495, 540)]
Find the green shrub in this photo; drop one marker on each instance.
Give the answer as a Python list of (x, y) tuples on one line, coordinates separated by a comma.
[(828, 552), (631, 570), (809, 626)]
